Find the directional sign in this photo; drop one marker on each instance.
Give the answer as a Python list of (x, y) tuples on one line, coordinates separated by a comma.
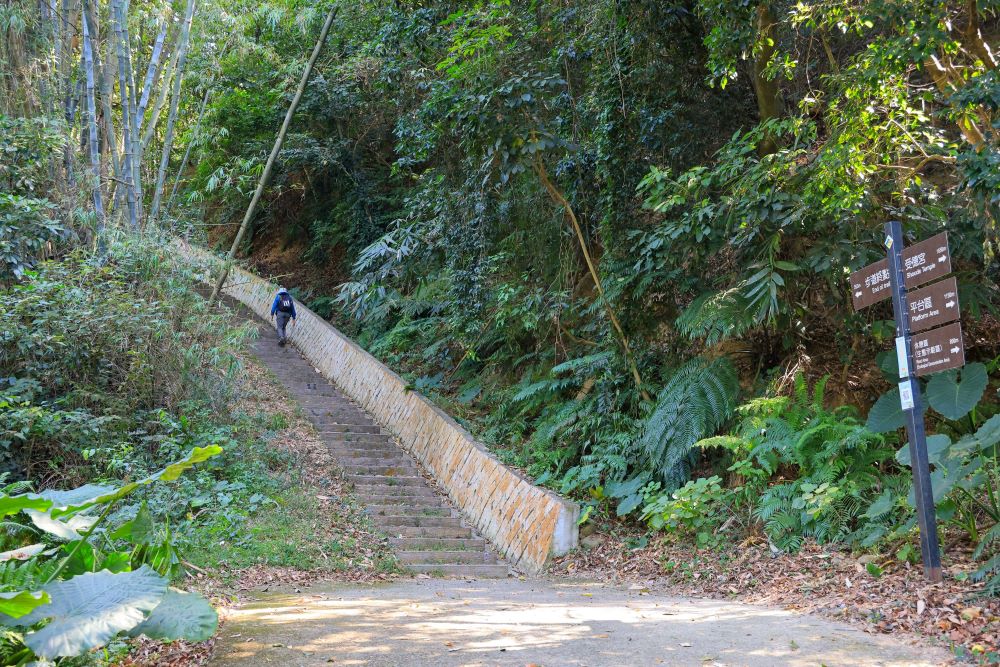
[(938, 349), (934, 305), (927, 260), (922, 262)]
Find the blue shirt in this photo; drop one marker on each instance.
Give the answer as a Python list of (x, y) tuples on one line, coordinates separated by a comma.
[(274, 306)]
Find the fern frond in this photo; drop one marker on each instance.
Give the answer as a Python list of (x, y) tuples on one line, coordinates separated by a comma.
[(716, 316), (697, 400)]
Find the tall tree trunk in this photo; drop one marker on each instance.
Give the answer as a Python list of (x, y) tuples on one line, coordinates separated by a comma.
[(765, 88), (127, 172), (95, 158), (266, 176), (175, 99), (560, 199)]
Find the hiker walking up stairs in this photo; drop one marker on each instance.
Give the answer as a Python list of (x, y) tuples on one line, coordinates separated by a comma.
[(428, 535)]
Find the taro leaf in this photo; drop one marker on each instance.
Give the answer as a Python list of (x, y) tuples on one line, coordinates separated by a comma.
[(16, 604), (66, 530), (179, 615), (629, 491), (88, 610), (24, 553), (937, 445), (168, 474), (628, 487), (61, 499), (889, 365), (139, 530), (628, 504), (117, 561), (887, 413), (14, 504), (953, 398), (881, 506), (988, 434)]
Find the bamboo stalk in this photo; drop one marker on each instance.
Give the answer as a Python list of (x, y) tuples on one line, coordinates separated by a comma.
[(147, 134), (168, 140), (272, 158), (152, 73), (132, 108), (95, 159), (187, 151), (127, 171), (106, 88)]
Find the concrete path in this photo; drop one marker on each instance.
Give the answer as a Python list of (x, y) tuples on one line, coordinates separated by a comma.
[(457, 623)]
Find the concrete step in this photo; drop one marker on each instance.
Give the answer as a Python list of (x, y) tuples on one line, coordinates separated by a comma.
[(349, 428), (436, 532), (445, 557), (397, 495), (361, 448), (411, 521), (389, 471), (438, 543), (360, 439), (364, 481), (311, 402), (497, 571), (322, 423), (339, 417), (419, 511), (394, 459)]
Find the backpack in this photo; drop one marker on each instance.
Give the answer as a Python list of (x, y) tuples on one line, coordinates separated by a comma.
[(284, 303)]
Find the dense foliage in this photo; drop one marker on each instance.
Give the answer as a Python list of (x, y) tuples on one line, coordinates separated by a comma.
[(591, 230), (603, 232)]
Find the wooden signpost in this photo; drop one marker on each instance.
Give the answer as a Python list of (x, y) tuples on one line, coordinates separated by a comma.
[(932, 350)]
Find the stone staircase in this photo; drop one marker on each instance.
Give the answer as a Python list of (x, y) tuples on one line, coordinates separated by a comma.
[(427, 534)]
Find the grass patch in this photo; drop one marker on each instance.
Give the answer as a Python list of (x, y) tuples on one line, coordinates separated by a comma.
[(281, 533)]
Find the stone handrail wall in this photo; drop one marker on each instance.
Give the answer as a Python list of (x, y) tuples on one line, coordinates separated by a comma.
[(526, 523)]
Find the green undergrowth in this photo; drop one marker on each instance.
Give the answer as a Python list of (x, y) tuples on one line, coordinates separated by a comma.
[(271, 516)]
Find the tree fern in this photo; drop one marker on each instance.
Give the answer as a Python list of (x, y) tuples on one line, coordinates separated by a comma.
[(695, 402)]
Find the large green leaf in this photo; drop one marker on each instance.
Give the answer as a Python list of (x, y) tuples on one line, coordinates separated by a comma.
[(65, 498), (887, 413), (19, 603), (14, 504), (139, 530), (988, 434), (88, 610), (937, 445), (168, 474), (955, 398), (23, 553), (65, 530), (180, 615)]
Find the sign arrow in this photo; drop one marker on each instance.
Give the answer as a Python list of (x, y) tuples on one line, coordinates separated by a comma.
[(858, 294), (950, 304), (955, 350), (942, 258)]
